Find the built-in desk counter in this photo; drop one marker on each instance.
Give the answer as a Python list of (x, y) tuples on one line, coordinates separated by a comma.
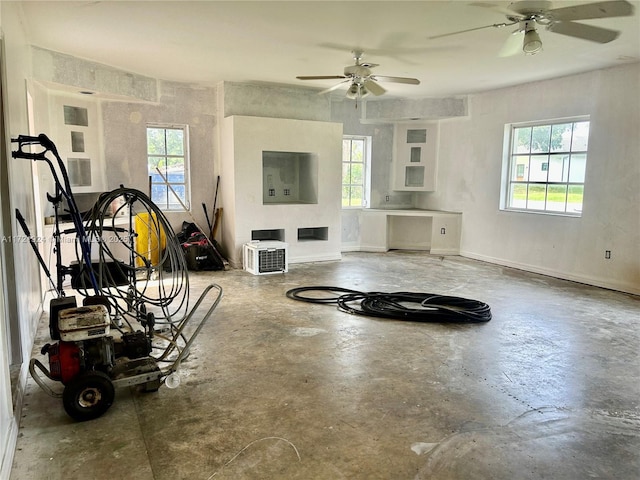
[(433, 230)]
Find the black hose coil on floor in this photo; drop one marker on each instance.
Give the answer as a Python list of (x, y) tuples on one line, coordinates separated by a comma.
[(412, 306)]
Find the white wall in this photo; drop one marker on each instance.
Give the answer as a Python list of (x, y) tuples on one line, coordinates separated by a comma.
[(242, 182), (470, 170), (21, 294)]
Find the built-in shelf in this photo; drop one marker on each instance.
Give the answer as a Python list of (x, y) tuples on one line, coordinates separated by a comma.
[(289, 177), (313, 234), (267, 235)]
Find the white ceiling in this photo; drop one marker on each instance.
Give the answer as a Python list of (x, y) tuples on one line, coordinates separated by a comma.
[(204, 42)]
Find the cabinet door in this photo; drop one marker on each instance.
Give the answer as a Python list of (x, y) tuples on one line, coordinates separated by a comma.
[(415, 157)]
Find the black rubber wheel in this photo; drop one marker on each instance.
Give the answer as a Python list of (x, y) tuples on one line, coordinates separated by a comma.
[(88, 396)]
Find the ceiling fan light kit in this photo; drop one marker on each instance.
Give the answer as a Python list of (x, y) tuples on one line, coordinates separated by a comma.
[(362, 82), (531, 43), (529, 13)]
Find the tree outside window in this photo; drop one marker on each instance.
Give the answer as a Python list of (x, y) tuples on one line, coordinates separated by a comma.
[(547, 166), (167, 156), (354, 171)]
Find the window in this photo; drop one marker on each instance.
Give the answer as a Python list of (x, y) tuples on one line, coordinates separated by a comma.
[(355, 170), (167, 152), (546, 164)]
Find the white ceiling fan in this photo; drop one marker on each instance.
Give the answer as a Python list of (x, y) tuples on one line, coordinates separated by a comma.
[(362, 80), (527, 14)]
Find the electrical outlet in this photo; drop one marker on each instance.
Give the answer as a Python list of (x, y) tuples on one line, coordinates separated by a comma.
[(386, 199), (443, 231), (607, 254)]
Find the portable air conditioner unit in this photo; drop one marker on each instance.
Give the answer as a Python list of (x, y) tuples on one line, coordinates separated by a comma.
[(265, 257)]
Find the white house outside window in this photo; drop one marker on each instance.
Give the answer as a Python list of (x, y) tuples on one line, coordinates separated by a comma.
[(546, 166)]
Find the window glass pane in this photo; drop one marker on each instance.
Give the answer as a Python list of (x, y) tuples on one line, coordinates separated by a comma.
[(557, 168), (519, 168), (346, 173), (522, 140), (175, 142), (561, 137), (536, 197), (155, 141), (345, 195), (346, 150), (556, 198), (577, 168), (153, 163), (574, 198), (180, 191), (356, 173), (357, 151), (538, 170), (159, 195), (518, 195), (356, 196), (580, 137), (540, 138)]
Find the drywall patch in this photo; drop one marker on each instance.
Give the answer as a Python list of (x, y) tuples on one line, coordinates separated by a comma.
[(135, 117)]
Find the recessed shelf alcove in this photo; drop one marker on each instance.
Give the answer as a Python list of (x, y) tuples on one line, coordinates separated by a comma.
[(265, 235), (313, 233), (289, 177)]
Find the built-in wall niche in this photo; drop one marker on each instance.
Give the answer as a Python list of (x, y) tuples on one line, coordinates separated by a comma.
[(78, 116), (289, 177), (77, 141), (79, 171), (267, 235), (415, 156), (313, 233), (414, 177)]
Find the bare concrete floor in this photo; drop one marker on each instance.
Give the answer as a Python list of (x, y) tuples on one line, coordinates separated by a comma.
[(278, 389)]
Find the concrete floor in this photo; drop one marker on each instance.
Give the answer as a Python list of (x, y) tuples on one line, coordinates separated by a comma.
[(278, 389)]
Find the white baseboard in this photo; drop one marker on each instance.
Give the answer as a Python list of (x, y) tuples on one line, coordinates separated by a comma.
[(315, 258), (9, 449), (586, 279)]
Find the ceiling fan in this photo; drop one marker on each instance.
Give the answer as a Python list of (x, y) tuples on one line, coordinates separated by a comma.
[(527, 14), (363, 81)]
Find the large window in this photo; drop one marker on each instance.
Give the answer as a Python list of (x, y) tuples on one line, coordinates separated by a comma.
[(168, 162), (355, 171), (546, 166)]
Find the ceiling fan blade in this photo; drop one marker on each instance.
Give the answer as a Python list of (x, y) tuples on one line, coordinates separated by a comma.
[(335, 87), (586, 32), (512, 46), (410, 81), (616, 8), (494, 25), (494, 7), (374, 88), (321, 77)]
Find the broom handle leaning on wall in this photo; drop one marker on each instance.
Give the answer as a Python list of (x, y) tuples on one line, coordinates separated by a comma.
[(166, 182)]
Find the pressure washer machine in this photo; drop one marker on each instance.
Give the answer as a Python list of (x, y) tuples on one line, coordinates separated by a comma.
[(129, 321)]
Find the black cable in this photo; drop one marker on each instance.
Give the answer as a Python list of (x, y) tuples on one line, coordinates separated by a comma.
[(412, 306)]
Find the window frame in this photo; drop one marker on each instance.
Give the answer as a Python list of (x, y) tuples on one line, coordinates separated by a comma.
[(366, 174), (172, 206), (509, 151)]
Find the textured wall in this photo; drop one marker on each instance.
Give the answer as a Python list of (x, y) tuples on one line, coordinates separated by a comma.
[(470, 172), (61, 69), (125, 141)]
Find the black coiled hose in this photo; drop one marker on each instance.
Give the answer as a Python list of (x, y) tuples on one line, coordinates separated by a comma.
[(412, 306)]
